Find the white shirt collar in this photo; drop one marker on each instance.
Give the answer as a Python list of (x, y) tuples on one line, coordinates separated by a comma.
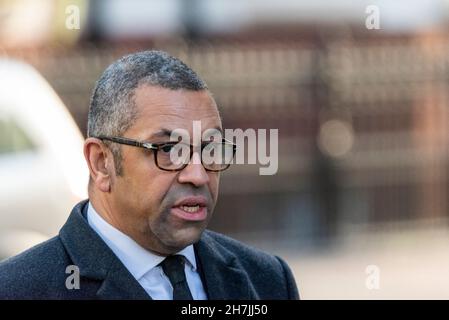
[(136, 259)]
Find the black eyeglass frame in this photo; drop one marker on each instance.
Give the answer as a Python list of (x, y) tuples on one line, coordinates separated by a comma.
[(155, 147)]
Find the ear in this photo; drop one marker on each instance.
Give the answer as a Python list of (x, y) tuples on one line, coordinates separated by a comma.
[(100, 162)]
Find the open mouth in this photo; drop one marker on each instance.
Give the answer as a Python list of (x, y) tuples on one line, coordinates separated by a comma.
[(191, 209)]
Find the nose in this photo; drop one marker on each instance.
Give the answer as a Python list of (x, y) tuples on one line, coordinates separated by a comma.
[(194, 173)]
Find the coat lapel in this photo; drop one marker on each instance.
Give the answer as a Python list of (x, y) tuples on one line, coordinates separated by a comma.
[(224, 278), (96, 261), (119, 284)]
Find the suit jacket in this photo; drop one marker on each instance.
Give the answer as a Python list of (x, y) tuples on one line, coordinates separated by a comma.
[(229, 269)]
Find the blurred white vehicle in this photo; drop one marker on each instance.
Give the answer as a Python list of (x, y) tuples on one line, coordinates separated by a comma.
[(42, 168)]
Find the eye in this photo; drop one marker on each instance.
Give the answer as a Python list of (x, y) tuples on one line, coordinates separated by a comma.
[(167, 148)]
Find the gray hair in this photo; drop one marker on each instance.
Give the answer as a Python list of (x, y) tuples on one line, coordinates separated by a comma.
[(112, 107)]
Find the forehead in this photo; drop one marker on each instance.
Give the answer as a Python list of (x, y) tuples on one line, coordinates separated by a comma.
[(159, 108)]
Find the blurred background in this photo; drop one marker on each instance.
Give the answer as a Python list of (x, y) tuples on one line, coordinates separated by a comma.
[(359, 207)]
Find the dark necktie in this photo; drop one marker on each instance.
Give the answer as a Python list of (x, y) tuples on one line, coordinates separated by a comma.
[(173, 267)]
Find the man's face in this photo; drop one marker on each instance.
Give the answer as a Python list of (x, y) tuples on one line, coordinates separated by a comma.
[(145, 199)]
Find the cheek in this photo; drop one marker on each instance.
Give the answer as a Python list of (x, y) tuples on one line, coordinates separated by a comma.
[(214, 181), (145, 187), (152, 189)]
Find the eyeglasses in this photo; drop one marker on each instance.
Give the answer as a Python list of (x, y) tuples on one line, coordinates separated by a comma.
[(175, 156)]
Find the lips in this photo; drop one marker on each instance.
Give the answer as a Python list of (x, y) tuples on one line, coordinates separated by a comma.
[(192, 201), (191, 208)]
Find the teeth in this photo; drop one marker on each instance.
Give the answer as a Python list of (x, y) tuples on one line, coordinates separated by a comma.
[(191, 209)]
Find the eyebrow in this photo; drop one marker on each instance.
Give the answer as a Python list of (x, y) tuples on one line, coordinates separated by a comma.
[(167, 133), (161, 133)]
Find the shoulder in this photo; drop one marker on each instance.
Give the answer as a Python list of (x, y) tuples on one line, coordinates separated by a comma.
[(243, 251), (32, 272), (258, 265)]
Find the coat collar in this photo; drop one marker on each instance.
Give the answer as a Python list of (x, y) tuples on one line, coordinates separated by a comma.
[(96, 260), (223, 276)]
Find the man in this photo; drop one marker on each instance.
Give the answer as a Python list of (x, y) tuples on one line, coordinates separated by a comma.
[(141, 234)]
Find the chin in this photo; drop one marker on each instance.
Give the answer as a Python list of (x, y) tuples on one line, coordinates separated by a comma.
[(183, 238)]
